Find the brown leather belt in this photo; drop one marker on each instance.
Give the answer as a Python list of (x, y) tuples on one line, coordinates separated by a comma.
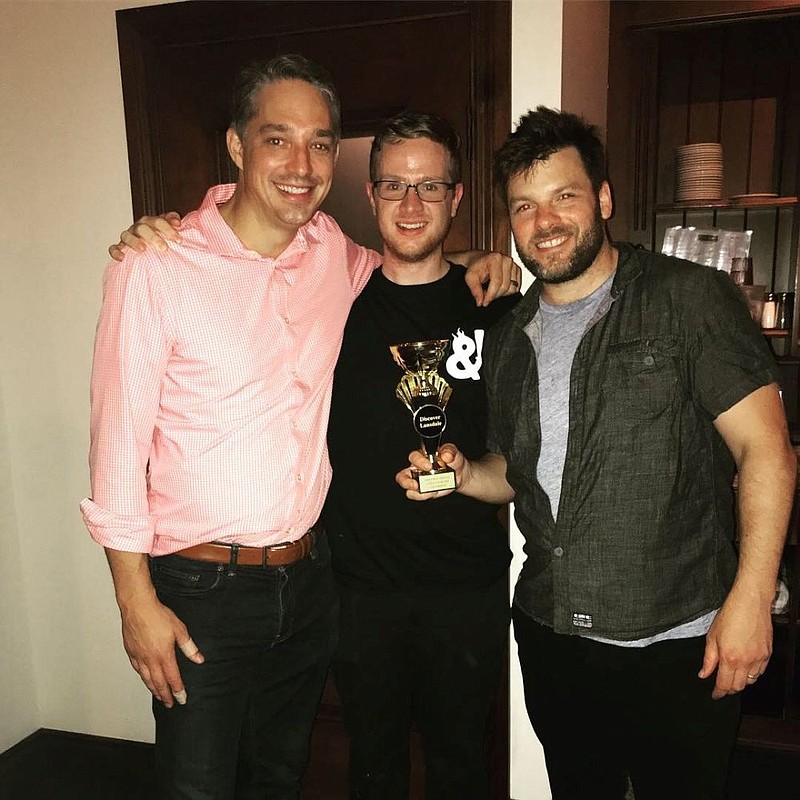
[(274, 555)]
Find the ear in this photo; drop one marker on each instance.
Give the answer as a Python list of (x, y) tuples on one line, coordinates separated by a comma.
[(604, 198), (458, 193), (235, 147), (370, 189)]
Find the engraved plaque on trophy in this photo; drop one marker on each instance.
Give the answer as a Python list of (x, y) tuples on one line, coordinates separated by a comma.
[(425, 394)]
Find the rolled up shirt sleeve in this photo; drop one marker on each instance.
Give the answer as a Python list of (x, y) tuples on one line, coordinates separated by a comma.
[(132, 349)]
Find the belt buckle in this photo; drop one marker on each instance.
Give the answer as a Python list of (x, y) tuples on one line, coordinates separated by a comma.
[(271, 548)]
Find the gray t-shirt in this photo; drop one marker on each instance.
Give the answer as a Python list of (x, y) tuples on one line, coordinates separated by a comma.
[(562, 328)]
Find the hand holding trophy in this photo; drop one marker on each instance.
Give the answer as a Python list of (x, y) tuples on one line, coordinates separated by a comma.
[(425, 394)]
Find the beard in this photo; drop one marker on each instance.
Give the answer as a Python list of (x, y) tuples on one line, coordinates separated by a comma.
[(587, 247), (413, 255), (413, 252)]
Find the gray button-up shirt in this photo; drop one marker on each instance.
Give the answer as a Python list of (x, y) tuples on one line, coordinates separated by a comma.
[(644, 537)]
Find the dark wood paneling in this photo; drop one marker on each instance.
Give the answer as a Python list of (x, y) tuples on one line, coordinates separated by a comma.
[(735, 130), (674, 103), (736, 83), (705, 57), (684, 13), (178, 62)]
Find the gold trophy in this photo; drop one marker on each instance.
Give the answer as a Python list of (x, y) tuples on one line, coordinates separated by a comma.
[(425, 394)]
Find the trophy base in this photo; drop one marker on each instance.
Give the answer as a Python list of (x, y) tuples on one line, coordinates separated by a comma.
[(439, 479)]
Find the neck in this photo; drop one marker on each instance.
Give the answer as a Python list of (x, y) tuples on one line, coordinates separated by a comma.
[(559, 294), (410, 273), (252, 230)]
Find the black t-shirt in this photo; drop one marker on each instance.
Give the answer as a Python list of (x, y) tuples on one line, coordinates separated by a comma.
[(380, 540)]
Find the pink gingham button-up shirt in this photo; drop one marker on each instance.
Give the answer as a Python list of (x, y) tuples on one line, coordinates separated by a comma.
[(211, 386)]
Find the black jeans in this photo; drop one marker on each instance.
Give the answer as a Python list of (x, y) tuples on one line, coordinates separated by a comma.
[(602, 712), (431, 660), (267, 636)]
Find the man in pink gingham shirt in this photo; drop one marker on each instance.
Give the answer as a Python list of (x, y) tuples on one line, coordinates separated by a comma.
[(210, 396)]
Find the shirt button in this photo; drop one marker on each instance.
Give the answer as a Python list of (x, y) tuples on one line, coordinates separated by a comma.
[(649, 361), (286, 318), (298, 478), (559, 551)]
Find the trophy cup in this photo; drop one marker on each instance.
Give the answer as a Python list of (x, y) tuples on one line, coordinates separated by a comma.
[(425, 394)]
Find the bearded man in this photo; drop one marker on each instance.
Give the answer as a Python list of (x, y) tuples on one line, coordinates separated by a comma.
[(624, 390)]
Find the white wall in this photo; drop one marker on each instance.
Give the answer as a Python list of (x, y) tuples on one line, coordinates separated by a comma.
[(64, 166), (19, 703), (535, 80)]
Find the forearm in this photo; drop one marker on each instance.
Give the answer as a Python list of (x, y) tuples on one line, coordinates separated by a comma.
[(765, 496), (150, 630), (485, 479), (131, 575)]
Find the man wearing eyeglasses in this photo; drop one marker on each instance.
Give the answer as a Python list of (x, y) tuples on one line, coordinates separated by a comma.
[(424, 589)]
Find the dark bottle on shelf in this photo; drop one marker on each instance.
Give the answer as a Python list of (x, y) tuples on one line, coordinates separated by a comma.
[(783, 313)]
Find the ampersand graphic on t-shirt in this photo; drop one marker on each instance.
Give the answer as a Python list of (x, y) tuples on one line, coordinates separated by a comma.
[(467, 357)]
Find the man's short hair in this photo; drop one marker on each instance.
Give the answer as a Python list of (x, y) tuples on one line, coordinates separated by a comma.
[(541, 133), (254, 77), (417, 125)]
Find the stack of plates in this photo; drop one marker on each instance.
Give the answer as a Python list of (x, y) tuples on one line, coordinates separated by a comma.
[(698, 172)]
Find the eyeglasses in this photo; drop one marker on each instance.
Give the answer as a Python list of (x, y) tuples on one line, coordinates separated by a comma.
[(427, 191)]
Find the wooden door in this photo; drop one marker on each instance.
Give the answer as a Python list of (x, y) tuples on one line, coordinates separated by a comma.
[(178, 62)]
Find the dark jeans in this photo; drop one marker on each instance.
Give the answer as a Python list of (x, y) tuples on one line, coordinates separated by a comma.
[(603, 711), (267, 636), (433, 660)]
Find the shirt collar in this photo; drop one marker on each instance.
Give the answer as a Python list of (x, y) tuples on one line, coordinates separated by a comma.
[(210, 218), (628, 269)]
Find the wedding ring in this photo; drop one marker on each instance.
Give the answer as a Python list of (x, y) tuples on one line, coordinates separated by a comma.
[(514, 283), (753, 677)]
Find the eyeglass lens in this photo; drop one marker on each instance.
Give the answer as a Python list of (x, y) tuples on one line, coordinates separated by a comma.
[(428, 191)]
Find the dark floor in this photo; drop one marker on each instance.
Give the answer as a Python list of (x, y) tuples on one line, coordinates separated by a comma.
[(51, 765)]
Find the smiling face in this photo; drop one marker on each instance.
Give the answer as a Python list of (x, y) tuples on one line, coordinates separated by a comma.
[(287, 156), (414, 231), (558, 219)]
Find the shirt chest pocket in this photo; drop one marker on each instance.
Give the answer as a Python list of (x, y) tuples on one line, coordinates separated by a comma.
[(641, 378)]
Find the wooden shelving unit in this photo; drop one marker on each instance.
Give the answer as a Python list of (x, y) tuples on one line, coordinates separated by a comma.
[(689, 72), (774, 202)]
